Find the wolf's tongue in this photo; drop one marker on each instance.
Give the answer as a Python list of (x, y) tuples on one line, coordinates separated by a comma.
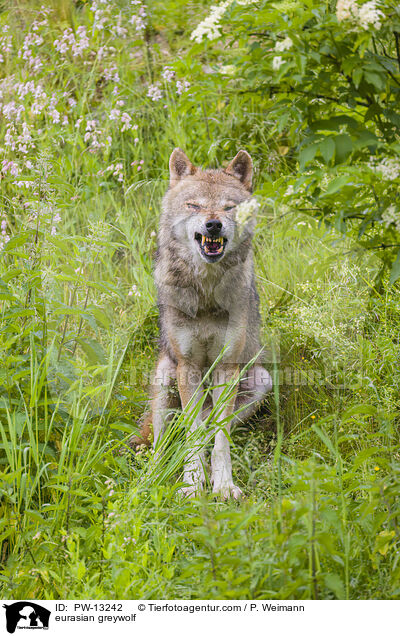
[(213, 247)]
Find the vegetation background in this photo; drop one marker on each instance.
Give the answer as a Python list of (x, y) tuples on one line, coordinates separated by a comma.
[(94, 95)]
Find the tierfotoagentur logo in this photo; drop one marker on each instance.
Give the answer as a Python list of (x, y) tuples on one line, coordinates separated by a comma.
[(26, 615)]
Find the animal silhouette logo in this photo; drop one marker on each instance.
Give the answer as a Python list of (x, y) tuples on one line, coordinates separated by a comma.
[(26, 615)]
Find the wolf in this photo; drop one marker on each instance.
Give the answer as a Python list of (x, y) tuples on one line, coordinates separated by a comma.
[(208, 304)]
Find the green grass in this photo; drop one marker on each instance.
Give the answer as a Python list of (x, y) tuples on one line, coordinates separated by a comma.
[(81, 515)]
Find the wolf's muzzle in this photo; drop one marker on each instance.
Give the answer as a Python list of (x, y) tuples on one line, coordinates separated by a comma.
[(214, 227), (211, 247)]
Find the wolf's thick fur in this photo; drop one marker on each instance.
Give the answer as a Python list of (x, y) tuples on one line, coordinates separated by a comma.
[(207, 301)]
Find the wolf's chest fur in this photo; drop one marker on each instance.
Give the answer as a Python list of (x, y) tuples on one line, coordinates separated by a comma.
[(192, 305)]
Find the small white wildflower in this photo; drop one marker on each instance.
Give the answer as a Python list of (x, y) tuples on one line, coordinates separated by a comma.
[(126, 121), (284, 45), (168, 74), (114, 114), (389, 168), (154, 92), (210, 27), (277, 62), (391, 216), (134, 291), (227, 69), (182, 86), (246, 210), (346, 10), (363, 16), (370, 15)]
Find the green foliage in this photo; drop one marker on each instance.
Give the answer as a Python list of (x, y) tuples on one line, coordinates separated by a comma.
[(327, 83)]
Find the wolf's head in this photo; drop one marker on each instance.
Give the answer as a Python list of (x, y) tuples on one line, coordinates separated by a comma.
[(199, 212)]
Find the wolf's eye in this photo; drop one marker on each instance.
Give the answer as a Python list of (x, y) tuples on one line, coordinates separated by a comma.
[(192, 206), (228, 208)]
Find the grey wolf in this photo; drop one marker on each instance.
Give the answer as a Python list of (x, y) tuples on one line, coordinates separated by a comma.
[(208, 303)]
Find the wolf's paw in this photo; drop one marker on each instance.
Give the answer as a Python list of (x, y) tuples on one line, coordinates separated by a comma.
[(227, 489), (189, 492)]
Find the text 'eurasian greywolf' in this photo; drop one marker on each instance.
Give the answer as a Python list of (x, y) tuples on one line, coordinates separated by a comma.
[(208, 303)]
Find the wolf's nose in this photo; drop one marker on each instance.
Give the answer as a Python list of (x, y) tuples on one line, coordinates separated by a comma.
[(214, 226)]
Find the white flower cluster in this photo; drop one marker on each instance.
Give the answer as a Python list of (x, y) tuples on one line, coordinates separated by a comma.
[(138, 20), (118, 29), (103, 18), (36, 101), (4, 237), (346, 10), (11, 111), (29, 89), (56, 219), (5, 43), (277, 62), (117, 171), (34, 61), (182, 86), (68, 43), (364, 16), (154, 92), (284, 45), (93, 135), (123, 118), (100, 15), (391, 216), (247, 210), (227, 69), (134, 291), (9, 166), (210, 27), (111, 74), (168, 74), (370, 15), (18, 141), (388, 168)]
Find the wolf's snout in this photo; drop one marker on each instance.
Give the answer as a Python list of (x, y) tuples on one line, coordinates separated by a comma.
[(214, 227)]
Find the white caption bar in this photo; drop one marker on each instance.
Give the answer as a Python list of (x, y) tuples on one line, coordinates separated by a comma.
[(182, 617)]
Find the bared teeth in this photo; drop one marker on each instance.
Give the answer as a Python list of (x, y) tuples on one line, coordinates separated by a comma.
[(209, 244), (211, 240)]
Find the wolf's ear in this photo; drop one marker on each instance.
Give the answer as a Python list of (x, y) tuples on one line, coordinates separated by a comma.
[(179, 166), (241, 167)]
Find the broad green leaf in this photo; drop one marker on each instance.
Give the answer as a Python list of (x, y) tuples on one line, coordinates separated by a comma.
[(327, 149), (344, 147)]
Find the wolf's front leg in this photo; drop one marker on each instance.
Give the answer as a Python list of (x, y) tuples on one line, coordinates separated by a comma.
[(221, 465), (190, 391), (163, 379)]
